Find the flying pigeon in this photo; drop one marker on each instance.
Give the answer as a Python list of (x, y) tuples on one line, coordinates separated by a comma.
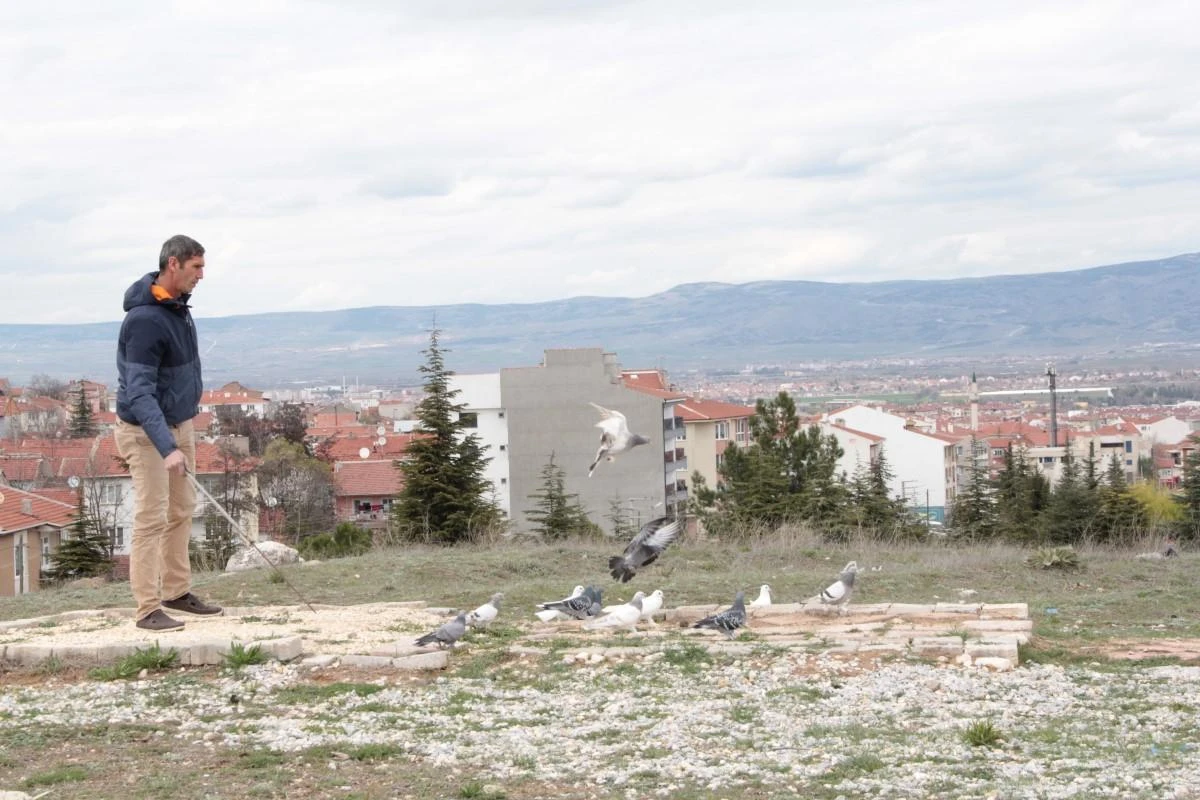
[(581, 606), (483, 616), (615, 437), (624, 616), (644, 548), (553, 614), (729, 620), (838, 593), (446, 635), (764, 597)]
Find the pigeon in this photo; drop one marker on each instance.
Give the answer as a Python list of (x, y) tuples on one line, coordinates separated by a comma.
[(646, 546), (446, 635), (651, 605), (764, 597), (728, 620), (624, 616), (552, 614), (838, 593), (581, 606), (615, 437), (483, 616)]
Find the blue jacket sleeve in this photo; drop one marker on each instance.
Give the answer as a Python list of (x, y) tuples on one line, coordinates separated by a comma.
[(143, 353)]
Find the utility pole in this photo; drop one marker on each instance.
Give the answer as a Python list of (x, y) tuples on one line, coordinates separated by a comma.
[(1053, 406)]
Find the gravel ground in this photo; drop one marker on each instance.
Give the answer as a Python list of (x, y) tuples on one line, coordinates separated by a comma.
[(666, 723)]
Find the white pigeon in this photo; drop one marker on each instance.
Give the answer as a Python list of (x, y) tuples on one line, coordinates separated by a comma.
[(651, 605), (483, 616), (615, 437), (623, 616), (551, 614), (838, 593), (764, 597)]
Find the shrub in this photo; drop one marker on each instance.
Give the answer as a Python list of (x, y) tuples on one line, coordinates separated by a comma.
[(347, 540), (1061, 558)]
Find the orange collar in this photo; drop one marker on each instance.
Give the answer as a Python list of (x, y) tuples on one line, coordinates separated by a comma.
[(159, 292)]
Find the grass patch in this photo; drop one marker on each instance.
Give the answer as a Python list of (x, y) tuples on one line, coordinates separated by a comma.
[(982, 733), (854, 766), (68, 773), (689, 658), (150, 659), (312, 693)]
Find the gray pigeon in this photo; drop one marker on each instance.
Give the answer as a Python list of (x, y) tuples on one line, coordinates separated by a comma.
[(838, 593), (615, 437), (581, 606), (645, 547), (446, 635), (729, 620)]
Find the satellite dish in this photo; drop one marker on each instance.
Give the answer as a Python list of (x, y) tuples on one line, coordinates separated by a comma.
[(73, 482), (380, 431), (272, 502), (363, 453), (381, 441)]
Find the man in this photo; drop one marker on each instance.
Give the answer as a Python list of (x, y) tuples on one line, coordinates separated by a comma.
[(158, 393)]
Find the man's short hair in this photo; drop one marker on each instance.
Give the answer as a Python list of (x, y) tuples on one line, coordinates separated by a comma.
[(181, 247)]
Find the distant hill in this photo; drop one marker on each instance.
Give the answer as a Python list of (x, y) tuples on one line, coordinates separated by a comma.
[(701, 325)]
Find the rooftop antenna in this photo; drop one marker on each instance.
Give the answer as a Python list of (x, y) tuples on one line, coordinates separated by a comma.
[(1053, 406)]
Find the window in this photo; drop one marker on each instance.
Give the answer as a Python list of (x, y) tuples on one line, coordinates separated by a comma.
[(720, 460), (45, 549), (469, 419), (1128, 445), (504, 481), (501, 414), (721, 430), (742, 430), (118, 537), (362, 506), (503, 447)]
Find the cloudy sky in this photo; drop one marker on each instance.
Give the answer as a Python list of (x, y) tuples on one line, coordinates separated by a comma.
[(361, 152)]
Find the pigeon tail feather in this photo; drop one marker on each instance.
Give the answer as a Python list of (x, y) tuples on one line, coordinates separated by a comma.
[(620, 570)]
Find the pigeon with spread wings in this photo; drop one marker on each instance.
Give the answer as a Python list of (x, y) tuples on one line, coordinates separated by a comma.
[(615, 437), (644, 549)]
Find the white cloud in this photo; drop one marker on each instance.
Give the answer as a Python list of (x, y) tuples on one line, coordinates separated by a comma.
[(339, 154)]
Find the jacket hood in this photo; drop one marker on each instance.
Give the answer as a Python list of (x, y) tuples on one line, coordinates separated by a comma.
[(140, 294)]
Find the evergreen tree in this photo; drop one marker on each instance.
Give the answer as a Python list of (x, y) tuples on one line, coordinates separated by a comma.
[(974, 513), (870, 507), (84, 553), (1091, 468), (1071, 512), (619, 516), (1020, 493), (1119, 513), (555, 513), (1189, 498), (83, 421), (445, 498)]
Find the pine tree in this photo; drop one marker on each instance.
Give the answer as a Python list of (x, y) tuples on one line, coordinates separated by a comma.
[(555, 513), (84, 553), (1188, 528), (1020, 493), (621, 520), (1119, 513), (974, 513), (445, 498), (1071, 511), (83, 421)]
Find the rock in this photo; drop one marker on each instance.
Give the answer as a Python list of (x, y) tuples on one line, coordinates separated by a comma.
[(247, 558)]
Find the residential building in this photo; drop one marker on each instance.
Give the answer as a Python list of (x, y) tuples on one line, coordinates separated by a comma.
[(31, 528), (485, 417), (365, 490), (235, 397), (709, 427), (859, 448)]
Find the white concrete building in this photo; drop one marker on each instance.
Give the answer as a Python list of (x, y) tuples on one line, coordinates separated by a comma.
[(923, 465), (485, 417), (858, 447)]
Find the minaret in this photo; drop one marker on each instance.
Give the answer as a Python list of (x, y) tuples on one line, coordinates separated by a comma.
[(973, 394)]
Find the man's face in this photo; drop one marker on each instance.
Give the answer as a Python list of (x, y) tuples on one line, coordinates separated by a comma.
[(187, 273)]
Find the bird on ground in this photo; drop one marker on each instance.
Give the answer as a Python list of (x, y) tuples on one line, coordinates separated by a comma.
[(615, 437), (838, 593), (622, 616), (446, 635), (651, 605), (729, 620), (483, 616), (764, 597), (552, 614), (645, 547), (581, 606)]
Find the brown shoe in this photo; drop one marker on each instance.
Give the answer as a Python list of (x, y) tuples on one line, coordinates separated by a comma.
[(157, 620), (190, 604)]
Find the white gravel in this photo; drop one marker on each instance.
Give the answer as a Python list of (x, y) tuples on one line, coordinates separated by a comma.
[(787, 721)]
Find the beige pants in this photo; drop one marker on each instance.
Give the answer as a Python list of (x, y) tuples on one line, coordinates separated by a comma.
[(163, 504)]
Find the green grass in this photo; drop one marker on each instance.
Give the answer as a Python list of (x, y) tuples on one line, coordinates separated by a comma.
[(150, 659), (69, 773), (982, 733), (241, 656), (303, 694)]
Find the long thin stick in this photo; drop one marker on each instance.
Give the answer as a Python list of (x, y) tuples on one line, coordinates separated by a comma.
[(247, 539)]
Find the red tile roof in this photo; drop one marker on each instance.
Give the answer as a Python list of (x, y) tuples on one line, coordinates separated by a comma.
[(231, 394), (367, 479), (693, 410), (43, 511), (21, 467), (68, 496), (644, 378), (346, 448)]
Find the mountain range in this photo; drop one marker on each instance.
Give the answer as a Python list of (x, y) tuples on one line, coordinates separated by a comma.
[(1106, 309)]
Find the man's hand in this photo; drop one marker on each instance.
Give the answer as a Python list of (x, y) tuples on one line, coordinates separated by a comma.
[(176, 461)]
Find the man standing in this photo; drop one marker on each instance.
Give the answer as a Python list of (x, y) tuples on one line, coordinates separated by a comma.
[(158, 393)]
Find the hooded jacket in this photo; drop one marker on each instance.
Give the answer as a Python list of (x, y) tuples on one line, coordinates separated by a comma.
[(158, 363)]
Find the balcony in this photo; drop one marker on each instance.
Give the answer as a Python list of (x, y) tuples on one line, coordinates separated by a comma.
[(675, 459)]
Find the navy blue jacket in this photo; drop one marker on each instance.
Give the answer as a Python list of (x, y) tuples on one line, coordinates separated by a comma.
[(158, 364)]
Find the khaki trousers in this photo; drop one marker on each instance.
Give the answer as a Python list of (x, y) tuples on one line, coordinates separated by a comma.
[(163, 504)]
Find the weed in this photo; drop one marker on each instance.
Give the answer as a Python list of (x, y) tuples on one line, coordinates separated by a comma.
[(981, 733), (150, 659), (68, 773), (51, 665), (688, 657), (743, 714), (860, 764), (308, 693), (241, 656)]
